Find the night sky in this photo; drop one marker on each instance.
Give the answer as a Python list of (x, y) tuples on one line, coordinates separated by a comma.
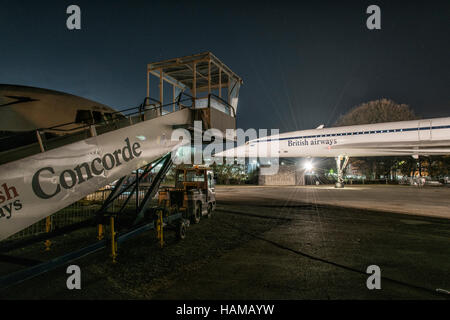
[(303, 63)]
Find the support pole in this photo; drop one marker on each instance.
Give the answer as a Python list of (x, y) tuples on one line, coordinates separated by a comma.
[(93, 131), (194, 84), (48, 228), (113, 241), (209, 77), (228, 90), (100, 232), (220, 82), (39, 138), (137, 190), (161, 89), (173, 98), (148, 83), (159, 228)]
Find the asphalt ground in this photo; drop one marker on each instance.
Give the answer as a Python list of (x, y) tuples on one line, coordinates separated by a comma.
[(261, 243), (413, 200)]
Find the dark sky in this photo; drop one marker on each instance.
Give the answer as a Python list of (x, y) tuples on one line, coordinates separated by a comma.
[(303, 62)]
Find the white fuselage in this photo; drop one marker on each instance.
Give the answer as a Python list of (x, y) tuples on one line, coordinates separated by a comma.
[(416, 137), (25, 108)]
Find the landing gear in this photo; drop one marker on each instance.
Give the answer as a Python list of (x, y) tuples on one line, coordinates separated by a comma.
[(340, 170)]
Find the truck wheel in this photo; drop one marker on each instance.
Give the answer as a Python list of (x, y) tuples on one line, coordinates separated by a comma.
[(197, 214), (210, 210), (181, 232)]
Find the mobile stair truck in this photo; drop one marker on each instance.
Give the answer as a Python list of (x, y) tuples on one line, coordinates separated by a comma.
[(68, 162)]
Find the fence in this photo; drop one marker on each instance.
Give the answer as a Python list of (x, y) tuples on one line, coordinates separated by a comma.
[(79, 211)]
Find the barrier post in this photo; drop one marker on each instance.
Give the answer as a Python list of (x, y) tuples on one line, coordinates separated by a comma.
[(159, 228), (113, 241), (101, 232), (48, 228)]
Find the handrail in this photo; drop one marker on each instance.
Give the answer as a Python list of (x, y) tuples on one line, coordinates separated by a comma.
[(139, 111), (118, 116), (9, 141)]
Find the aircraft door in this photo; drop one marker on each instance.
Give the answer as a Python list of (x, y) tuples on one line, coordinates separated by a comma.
[(425, 130)]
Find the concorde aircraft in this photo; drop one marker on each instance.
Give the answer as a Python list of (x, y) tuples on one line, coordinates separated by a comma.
[(414, 138), (26, 108)]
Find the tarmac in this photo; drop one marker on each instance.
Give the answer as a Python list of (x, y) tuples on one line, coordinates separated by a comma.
[(272, 243), (423, 201)]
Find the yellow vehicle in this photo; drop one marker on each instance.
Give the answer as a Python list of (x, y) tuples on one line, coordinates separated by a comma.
[(193, 194)]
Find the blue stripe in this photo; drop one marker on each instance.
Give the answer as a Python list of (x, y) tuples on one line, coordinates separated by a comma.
[(357, 133)]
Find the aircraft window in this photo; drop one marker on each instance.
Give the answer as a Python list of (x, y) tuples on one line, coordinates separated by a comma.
[(84, 116), (97, 116)]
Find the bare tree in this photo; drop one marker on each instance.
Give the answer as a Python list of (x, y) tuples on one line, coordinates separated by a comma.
[(382, 110)]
